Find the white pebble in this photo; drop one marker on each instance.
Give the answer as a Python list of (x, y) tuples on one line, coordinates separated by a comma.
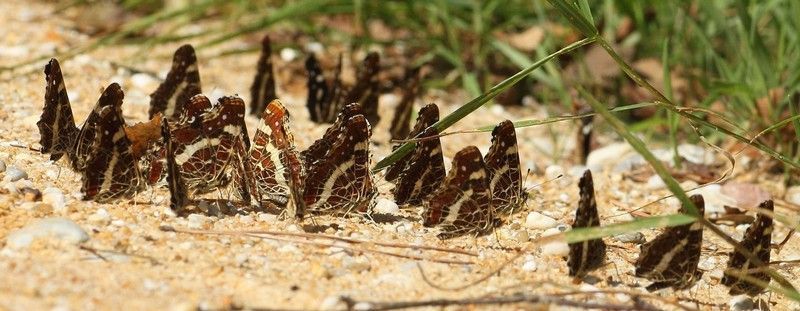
[(555, 249), (612, 153), (385, 206), (529, 265), (696, 154), (100, 217), (13, 174), (288, 54), (142, 81), (741, 303), (655, 183), (57, 228), (793, 195), (314, 47), (563, 198), (331, 303), (707, 264), (197, 221), (356, 264), (498, 110), (630, 237), (266, 217), (536, 220), (553, 171)]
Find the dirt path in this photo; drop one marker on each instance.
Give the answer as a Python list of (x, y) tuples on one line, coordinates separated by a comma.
[(127, 261)]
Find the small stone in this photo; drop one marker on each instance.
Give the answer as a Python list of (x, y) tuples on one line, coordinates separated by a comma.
[(655, 183), (289, 248), (142, 81), (612, 153), (530, 264), (741, 303), (2, 166), (696, 154), (315, 47), (536, 220), (56, 228), (356, 264), (385, 206), (331, 303), (553, 171), (557, 249), (55, 198), (363, 306), (30, 194), (100, 217), (793, 195), (708, 264), (13, 174), (197, 221), (630, 237), (266, 217), (288, 54)]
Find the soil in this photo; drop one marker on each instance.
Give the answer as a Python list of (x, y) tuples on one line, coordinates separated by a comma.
[(130, 262)]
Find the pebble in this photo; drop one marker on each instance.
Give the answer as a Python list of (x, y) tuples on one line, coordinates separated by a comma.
[(630, 237), (655, 183), (696, 154), (13, 174), (708, 264), (356, 264), (715, 201), (553, 171), (56, 228), (315, 47), (741, 303), (793, 195), (100, 217), (142, 80), (536, 220), (267, 217), (386, 206), (2, 166), (331, 303), (197, 221), (288, 54), (556, 249), (530, 264), (55, 198), (599, 157)]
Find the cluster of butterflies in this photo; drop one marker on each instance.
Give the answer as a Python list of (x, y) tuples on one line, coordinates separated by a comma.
[(195, 146), (671, 258)]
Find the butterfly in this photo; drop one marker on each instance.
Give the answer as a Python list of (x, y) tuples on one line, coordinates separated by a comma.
[(209, 142), (321, 146), (56, 125), (324, 98), (402, 116), (505, 176), (263, 89), (757, 239), (182, 82), (340, 181), (106, 163), (421, 171), (587, 255), (670, 260), (463, 204), (278, 171), (367, 88)]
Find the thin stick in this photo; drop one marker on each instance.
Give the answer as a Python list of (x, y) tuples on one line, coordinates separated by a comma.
[(281, 237), (503, 300), (323, 236), (470, 284)]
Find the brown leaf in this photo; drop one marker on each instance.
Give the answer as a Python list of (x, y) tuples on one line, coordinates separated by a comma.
[(526, 41)]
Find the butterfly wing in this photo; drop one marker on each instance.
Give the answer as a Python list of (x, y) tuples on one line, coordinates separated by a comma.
[(422, 171), (111, 170), (587, 255), (182, 82), (401, 121), (56, 125), (757, 239), (341, 181), (463, 204), (502, 161), (263, 89)]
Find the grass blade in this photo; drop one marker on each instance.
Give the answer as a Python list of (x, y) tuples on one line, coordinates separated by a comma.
[(474, 104)]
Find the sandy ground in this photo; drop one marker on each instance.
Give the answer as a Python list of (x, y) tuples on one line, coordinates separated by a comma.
[(129, 262)]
